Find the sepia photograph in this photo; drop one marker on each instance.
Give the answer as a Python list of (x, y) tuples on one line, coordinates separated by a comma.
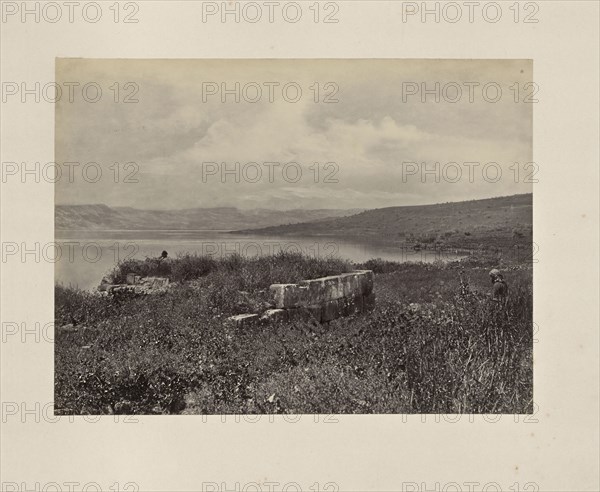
[(299, 246), (303, 236)]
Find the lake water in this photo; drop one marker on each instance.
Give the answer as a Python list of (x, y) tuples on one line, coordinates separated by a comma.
[(84, 257)]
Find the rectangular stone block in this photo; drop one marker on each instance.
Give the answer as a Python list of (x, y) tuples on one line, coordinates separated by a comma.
[(350, 284), (323, 289), (305, 313), (287, 295), (332, 310), (365, 278), (243, 320), (130, 279), (156, 282)]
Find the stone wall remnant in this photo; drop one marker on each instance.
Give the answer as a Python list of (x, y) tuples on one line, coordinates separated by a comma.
[(321, 299)]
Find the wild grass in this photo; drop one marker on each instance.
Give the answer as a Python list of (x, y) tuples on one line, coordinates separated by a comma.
[(430, 346), (258, 272)]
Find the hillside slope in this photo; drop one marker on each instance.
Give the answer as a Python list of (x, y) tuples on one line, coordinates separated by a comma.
[(458, 223)]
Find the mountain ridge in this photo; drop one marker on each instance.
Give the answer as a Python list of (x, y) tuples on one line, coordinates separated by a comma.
[(102, 217)]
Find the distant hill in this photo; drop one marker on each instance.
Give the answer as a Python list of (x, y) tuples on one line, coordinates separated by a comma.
[(457, 223), (102, 217)]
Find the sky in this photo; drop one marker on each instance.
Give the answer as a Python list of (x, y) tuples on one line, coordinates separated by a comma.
[(359, 133)]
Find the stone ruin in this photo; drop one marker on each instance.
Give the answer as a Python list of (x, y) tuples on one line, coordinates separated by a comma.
[(136, 285), (322, 299)]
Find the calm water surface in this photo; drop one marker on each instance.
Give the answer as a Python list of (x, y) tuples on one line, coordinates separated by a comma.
[(84, 257)]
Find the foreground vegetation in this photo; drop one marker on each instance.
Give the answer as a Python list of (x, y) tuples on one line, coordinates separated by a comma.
[(436, 343)]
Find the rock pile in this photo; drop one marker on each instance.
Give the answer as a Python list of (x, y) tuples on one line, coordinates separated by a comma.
[(136, 285)]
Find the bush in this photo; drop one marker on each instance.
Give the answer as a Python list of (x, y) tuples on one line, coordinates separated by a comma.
[(188, 267)]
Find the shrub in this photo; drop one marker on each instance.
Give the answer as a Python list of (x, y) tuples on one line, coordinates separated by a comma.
[(188, 267)]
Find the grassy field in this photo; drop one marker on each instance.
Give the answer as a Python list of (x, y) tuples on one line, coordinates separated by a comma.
[(436, 343)]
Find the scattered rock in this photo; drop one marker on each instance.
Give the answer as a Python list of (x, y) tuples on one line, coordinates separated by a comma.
[(243, 320), (68, 328), (274, 315), (135, 286)]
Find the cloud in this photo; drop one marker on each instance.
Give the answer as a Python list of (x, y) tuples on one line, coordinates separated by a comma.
[(173, 133)]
